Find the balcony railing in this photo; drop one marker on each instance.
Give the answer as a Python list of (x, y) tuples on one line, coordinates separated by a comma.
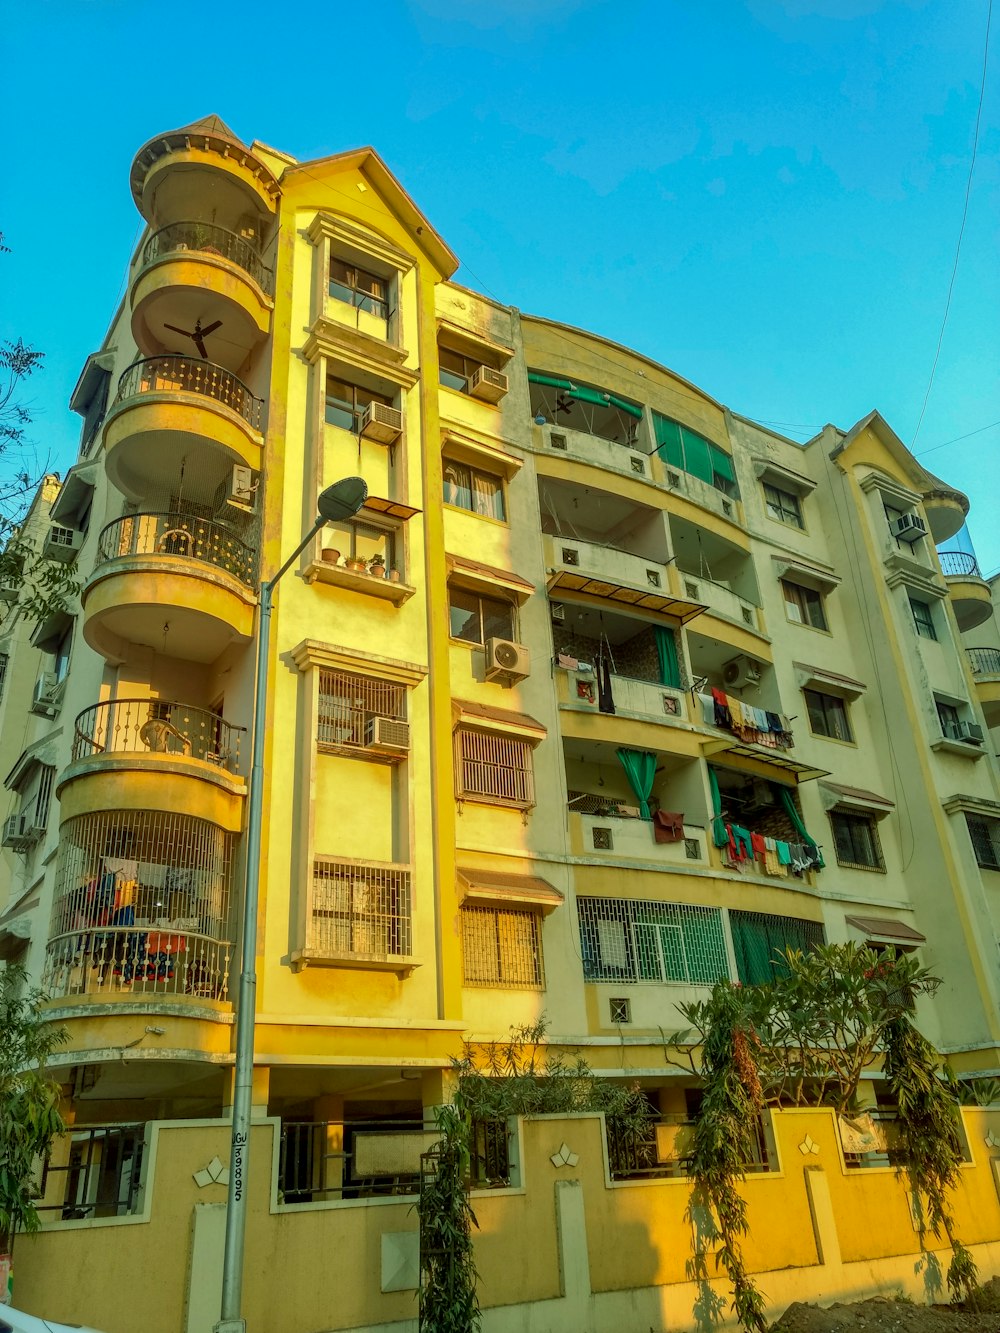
[(160, 958), (662, 1147), (187, 374), (157, 726), (181, 534), (210, 240), (94, 1172), (959, 563), (984, 661)]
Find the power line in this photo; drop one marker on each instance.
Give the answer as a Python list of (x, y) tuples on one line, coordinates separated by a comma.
[(961, 230), (978, 431)]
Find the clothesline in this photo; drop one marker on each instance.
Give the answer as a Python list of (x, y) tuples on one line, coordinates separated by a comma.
[(754, 726), (777, 856)]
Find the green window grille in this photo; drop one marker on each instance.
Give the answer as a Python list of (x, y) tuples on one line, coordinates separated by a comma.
[(760, 940), (624, 939)]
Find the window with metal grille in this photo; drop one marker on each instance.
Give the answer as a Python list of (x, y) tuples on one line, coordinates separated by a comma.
[(502, 948), (493, 768), (760, 940), (985, 835), (856, 840), (923, 618), (624, 939), (828, 715), (347, 703), (360, 907)]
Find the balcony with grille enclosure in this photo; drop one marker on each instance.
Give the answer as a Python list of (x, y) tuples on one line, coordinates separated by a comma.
[(169, 755), (357, 914), (197, 575), (198, 278), (177, 416), (141, 908), (985, 664), (968, 590)]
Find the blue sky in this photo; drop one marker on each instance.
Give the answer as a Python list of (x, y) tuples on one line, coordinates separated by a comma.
[(764, 195)]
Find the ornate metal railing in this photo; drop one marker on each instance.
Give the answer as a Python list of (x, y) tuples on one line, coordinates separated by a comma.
[(157, 726), (181, 534), (959, 563), (173, 373), (210, 240), (984, 661), (159, 957)]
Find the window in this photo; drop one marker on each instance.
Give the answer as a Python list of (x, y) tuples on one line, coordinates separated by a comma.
[(4, 659), (856, 840), (828, 715), (62, 654), (346, 403), (347, 702), (985, 835), (949, 720), (692, 453), (803, 605), (493, 768), (455, 370), (355, 286), (502, 948), (361, 543), (783, 505), (468, 488), (759, 940), (476, 619), (624, 939), (923, 618)]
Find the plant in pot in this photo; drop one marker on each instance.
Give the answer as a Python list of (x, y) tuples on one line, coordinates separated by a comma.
[(376, 567), (356, 563), (331, 555)]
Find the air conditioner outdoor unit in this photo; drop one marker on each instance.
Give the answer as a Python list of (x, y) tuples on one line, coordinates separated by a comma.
[(488, 384), (740, 672), (970, 732), (908, 528), (18, 833), (381, 423), (387, 735), (242, 488), (506, 661), (42, 698), (62, 544)]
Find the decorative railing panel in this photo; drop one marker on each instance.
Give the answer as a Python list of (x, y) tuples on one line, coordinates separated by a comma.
[(173, 373), (157, 726), (209, 240), (180, 534), (960, 564), (984, 661)]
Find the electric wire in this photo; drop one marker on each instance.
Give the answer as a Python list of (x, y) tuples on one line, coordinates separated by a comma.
[(961, 230)]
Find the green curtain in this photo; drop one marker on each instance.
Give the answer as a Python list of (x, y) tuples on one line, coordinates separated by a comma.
[(719, 835), (640, 769), (602, 397), (666, 651), (789, 807), (691, 452), (759, 942)]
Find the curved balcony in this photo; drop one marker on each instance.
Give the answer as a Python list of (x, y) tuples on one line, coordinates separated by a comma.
[(174, 582), (985, 664), (197, 276), (968, 590), (946, 510), (177, 412), (203, 162)]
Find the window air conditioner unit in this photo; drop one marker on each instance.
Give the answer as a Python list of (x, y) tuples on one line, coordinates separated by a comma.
[(908, 528), (42, 698), (387, 735), (970, 732), (740, 672), (488, 384), (18, 833), (506, 661), (62, 544), (381, 423)]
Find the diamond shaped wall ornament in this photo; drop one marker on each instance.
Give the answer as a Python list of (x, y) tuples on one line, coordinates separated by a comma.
[(213, 1174), (564, 1157), (808, 1146), (992, 1141)]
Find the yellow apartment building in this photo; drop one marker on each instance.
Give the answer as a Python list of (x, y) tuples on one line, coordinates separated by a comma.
[(607, 693)]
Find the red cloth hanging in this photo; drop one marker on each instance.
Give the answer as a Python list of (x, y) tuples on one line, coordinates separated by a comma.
[(668, 827)]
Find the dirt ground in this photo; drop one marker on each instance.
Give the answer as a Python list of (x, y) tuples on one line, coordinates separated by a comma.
[(895, 1316)]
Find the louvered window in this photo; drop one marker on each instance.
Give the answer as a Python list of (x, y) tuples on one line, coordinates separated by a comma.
[(493, 768)]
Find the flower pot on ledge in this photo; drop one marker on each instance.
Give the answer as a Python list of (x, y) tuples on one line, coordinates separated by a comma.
[(331, 555)]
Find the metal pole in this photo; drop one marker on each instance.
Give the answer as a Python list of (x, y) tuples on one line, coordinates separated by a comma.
[(246, 1014)]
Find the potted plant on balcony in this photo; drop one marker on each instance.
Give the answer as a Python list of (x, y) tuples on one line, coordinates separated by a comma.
[(376, 567), (331, 555), (356, 563)]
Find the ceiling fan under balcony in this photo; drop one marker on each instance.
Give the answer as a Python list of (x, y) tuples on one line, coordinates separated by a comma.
[(197, 335)]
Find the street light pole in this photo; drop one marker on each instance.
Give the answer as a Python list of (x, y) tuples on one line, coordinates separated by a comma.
[(338, 502)]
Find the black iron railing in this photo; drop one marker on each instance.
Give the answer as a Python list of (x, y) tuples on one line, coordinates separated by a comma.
[(984, 661), (209, 239), (959, 563), (97, 1173), (180, 534), (157, 726), (173, 373), (636, 1152)]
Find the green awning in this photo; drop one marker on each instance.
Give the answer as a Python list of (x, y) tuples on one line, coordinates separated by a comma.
[(585, 394)]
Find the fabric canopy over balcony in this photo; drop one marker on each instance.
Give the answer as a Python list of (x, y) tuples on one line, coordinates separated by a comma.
[(506, 889), (583, 394), (882, 928), (620, 595)]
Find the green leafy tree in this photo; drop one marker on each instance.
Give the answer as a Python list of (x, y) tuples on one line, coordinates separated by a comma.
[(448, 1301), (29, 1100)]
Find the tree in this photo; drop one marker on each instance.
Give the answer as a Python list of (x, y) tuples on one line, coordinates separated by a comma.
[(29, 1100)]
